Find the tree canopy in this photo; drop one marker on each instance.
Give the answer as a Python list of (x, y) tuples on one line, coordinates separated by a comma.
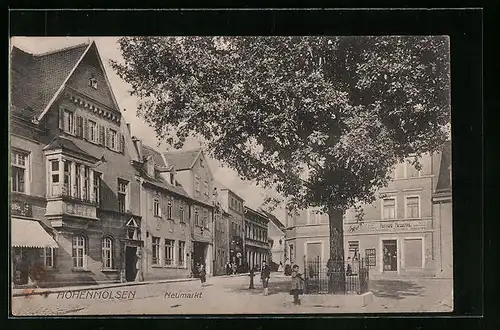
[(322, 119)]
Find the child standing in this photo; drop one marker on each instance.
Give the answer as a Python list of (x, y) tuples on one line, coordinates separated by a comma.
[(296, 284)]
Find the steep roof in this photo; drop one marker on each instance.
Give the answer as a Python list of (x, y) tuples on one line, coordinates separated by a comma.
[(37, 78), (274, 220), (150, 151), (182, 160)]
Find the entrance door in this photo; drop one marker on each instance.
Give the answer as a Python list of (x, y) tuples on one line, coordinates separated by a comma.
[(390, 257), (130, 263)]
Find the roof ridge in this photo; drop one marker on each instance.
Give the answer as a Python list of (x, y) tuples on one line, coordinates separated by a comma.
[(60, 50), (182, 151)]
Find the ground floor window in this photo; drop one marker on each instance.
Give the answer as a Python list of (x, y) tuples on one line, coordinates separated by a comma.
[(390, 255), (79, 251), (156, 251), (107, 252), (371, 257), (48, 257), (182, 252), (413, 254), (169, 252)]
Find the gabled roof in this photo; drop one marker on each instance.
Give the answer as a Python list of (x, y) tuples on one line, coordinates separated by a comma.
[(151, 152), (275, 220), (36, 79), (67, 145), (182, 160)]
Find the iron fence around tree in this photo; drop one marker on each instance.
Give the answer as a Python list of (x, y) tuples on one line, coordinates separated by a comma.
[(350, 277)]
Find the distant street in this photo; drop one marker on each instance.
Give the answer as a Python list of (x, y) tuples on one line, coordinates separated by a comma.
[(231, 295)]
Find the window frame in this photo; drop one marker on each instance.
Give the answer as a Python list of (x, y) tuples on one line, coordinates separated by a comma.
[(181, 254), (104, 249), (156, 206), (383, 208), (419, 215), (155, 249), (77, 247), (125, 192), (169, 251), (51, 258), (93, 131), (16, 155), (181, 212), (169, 209), (69, 121), (113, 139), (369, 256)]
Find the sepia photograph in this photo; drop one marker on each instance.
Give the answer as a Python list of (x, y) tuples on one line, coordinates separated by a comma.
[(187, 175)]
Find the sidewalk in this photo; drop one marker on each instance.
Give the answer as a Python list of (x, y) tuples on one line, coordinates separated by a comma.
[(46, 291)]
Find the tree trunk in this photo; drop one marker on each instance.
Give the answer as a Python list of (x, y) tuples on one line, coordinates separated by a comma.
[(336, 271)]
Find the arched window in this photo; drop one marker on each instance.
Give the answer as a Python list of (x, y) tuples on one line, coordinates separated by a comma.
[(107, 252), (79, 252)]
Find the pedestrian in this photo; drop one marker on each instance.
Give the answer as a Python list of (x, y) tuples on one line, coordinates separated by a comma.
[(349, 267), (265, 274), (228, 268), (202, 274), (252, 274), (234, 268), (296, 284)]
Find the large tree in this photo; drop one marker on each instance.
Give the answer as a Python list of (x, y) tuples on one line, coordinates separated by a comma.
[(320, 119)]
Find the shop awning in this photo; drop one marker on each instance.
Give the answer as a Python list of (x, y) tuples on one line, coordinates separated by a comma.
[(29, 233)]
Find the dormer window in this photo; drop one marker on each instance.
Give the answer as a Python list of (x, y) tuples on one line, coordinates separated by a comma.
[(93, 83), (201, 162), (172, 179)]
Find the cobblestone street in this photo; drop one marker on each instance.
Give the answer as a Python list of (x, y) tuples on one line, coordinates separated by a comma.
[(224, 295)]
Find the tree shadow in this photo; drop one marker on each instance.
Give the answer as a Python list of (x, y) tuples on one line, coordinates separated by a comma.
[(275, 286), (395, 289)]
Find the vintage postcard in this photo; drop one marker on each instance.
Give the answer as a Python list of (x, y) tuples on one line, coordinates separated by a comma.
[(230, 175)]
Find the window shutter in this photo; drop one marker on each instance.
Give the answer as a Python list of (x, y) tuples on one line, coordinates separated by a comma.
[(107, 136), (78, 125), (122, 143), (101, 135), (85, 128), (61, 118)]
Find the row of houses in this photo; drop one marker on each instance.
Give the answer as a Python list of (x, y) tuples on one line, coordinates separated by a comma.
[(92, 204)]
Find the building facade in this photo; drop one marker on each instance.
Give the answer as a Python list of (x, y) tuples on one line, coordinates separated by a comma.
[(400, 234), (166, 218), (71, 156), (276, 233), (221, 235), (232, 204), (194, 175), (256, 237)]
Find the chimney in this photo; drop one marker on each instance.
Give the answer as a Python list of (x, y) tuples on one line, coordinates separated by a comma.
[(138, 146)]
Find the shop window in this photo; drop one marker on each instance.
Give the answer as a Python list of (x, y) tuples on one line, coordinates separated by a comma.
[(371, 258)]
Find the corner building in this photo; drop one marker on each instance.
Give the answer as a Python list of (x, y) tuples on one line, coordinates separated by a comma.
[(71, 156), (402, 232)]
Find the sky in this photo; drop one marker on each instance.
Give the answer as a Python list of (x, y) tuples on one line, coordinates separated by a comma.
[(109, 50)]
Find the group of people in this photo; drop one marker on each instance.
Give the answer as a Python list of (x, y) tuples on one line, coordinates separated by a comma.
[(265, 275), (231, 268)]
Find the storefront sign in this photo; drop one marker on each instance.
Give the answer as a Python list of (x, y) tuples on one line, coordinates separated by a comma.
[(81, 210), (21, 208), (388, 227)]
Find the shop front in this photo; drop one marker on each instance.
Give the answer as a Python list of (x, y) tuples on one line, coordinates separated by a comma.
[(393, 248), (32, 252)]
